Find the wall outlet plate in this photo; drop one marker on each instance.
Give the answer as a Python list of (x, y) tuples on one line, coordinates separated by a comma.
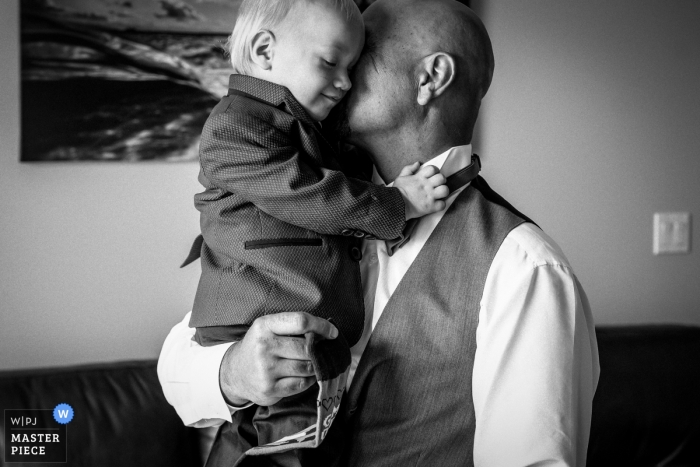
[(671, 233)]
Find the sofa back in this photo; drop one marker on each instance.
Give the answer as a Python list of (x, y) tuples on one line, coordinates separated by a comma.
[(121, 416), (646, 411)]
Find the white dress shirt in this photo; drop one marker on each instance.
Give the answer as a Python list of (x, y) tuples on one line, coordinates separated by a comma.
[(536, 363)]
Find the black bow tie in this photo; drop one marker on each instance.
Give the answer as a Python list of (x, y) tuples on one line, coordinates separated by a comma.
[(454, 182)]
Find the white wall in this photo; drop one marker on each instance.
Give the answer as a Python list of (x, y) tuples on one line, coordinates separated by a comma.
[(591, 125), (89, 253)]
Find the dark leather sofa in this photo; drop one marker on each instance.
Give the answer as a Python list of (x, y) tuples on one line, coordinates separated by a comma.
[(646, 411)]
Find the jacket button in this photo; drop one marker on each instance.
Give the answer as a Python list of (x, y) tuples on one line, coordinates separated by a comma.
[(347, 232), (356, 253), (359, 234)]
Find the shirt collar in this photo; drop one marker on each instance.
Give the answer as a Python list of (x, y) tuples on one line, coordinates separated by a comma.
[(449, 162)]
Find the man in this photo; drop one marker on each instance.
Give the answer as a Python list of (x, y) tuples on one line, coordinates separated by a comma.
[(479, 346)]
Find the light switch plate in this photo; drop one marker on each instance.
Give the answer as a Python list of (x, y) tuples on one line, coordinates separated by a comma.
[(671, 233)]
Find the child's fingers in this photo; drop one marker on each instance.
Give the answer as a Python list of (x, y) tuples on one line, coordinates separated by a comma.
[(441, 192), (409, 169), (437, 180), (428, 171)]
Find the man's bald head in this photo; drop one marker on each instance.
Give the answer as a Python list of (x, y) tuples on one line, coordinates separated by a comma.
[(417, 28), (418, 85)]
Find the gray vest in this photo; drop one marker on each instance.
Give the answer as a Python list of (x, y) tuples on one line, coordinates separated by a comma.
[(410, 402)]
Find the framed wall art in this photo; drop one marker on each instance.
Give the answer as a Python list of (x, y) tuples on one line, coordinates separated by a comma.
[(120, 80)]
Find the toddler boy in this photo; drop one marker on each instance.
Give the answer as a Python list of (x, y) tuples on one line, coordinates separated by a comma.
[(281, 224)]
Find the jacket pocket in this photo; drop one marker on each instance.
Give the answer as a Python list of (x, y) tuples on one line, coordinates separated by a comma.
[(274, 242)]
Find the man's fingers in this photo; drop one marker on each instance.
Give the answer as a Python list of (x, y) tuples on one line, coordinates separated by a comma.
[(409, 169), (286, 368), (297, 323), (293, 348), (271, 361), (291, 386)]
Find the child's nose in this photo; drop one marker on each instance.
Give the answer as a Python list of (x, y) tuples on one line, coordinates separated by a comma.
[(342, 81)]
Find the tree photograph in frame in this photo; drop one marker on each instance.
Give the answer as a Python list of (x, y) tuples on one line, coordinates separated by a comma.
[(120, 80)]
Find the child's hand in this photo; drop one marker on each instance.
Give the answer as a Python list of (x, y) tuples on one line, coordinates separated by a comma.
[(423, 189)]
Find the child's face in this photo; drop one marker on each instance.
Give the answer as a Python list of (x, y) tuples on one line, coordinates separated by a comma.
[(315, 48)]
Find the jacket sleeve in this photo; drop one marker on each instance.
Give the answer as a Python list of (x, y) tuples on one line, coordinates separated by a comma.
[(246, 155)]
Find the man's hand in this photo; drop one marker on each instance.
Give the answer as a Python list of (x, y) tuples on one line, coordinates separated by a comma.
[(269, 364), (422, 188)]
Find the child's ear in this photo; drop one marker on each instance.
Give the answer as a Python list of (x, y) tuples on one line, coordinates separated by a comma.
[(262, 49)]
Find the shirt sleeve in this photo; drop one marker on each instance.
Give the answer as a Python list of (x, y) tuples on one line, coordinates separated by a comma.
[(189, 376), (245, 154), (536, 364)]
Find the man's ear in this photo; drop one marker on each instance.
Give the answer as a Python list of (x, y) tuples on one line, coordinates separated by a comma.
[(262, 49), (435, 73)]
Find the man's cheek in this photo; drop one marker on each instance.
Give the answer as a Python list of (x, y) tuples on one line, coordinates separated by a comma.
[(361, 95)]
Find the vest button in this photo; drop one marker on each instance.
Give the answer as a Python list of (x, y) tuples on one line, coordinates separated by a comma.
[(347, 232), (356, 253)]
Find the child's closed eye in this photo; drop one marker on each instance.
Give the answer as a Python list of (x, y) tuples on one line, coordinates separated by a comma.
[(329, 63)]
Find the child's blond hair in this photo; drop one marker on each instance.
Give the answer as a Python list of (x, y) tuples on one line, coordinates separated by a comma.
[(254, 15)]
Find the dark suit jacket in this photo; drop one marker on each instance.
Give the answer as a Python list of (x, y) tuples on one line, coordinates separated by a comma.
[(281, 224)]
